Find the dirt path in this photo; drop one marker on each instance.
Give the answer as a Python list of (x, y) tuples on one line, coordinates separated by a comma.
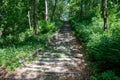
[(63, 60)]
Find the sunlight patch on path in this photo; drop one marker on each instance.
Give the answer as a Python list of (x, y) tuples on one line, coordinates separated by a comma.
[(64, 56)]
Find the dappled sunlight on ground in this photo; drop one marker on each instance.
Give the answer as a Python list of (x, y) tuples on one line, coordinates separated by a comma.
[(63, 60)]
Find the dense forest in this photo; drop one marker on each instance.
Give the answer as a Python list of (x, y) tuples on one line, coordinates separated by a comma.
[(27, 25)]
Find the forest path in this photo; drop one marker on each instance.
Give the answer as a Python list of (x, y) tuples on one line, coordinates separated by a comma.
[(63, 60)]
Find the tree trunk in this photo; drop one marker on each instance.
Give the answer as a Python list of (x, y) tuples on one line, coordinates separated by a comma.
[(104, 14), (29, 20), (81, 10), (54, 8), (46, 10), (34, 18)]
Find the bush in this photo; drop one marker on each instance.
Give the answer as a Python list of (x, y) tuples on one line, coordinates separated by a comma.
[(11, 54), (104, 50), (13, 47), (46, 26), (86, 28), (103, 47), (107, 75)]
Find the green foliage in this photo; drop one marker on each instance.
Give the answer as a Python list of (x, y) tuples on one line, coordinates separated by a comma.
[(11, 54), (104, 50), (108, 75), (85, 29), (16, 37), (14, 47), (102, 46), (46, 26)]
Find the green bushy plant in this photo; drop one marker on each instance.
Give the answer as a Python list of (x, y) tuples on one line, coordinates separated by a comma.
[(13, 47), (46, 26), (107, 75), (104, 49), (102, 46), (85, 29), (11, 54)]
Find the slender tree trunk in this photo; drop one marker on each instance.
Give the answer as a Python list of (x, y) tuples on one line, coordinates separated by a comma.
[(35, 18), (46, 10), (104, 14), (29, 20), (54, 8), (81, 10)]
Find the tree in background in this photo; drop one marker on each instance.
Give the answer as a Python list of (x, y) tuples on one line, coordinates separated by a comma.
[(54, 8), (34, 18), (104, 13), (46, 10)]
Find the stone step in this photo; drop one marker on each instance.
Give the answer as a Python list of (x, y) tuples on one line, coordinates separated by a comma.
[(46, 69), (58, 59), (63, 72), (23, 76), (65, 63), (65, 29), (38, 66), (57, 70), (33, 70)]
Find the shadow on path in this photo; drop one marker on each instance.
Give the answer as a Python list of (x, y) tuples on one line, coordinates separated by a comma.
[(62, 60)]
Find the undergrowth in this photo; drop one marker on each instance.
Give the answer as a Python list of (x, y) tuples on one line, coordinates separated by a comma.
[(14, 47), (103, 47)]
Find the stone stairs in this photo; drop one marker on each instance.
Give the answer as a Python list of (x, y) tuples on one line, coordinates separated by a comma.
[(63, 60)]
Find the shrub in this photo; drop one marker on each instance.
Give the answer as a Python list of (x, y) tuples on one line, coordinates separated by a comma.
[(13, 47), (103, 47), (46, 26), (107, 75)]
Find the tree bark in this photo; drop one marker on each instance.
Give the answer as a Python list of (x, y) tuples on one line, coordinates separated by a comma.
[(46, 10), (81, 10), (35, 18), (54, 8), (29, 20), (104, 14)]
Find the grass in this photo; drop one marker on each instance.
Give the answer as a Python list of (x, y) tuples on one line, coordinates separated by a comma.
[(11, 54), (15, 46)]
